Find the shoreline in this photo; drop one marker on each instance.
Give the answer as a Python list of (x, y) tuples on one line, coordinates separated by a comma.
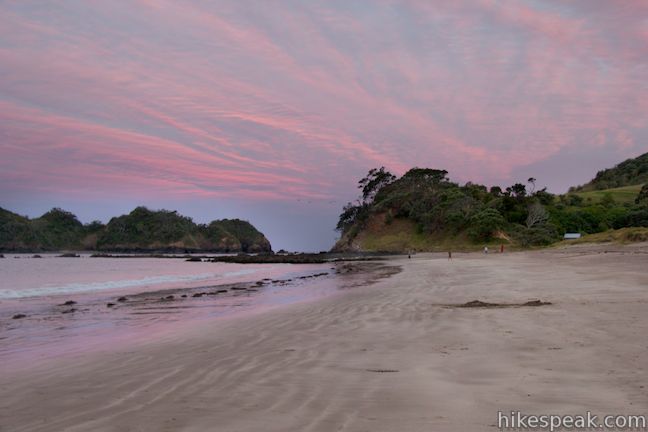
[(53, 325), (385, 357), (235, 258)]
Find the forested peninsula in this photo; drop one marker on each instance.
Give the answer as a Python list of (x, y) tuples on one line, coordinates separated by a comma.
[(142, 230), (424, 210)]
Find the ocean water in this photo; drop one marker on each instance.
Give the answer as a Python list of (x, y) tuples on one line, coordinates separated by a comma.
[(163, 296), (22, 276)]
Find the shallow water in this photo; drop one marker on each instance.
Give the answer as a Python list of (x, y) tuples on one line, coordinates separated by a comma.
[(23, 276), (161, 296)]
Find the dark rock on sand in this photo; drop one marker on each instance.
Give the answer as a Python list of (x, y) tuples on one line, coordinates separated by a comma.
[(184, 296), (221, 291), (69, 255), (19, 316), (478, 303), (69, 303), (194, 259), (198, 295), (536, 303), (110, 304), (481, 304), (271, 259), (122, 299), (37, 256), (69, 311)]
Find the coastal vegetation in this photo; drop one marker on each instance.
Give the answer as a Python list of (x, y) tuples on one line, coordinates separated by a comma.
[(425, 210), (620, 195), (619, 236), (630, 172), (142, 230)]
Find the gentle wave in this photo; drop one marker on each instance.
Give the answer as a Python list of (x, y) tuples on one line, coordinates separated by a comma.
[(118, 284)]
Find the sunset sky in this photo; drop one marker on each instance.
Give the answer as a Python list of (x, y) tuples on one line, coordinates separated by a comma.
[(271, 111)]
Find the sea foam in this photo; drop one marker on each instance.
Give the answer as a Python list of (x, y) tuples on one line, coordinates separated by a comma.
[(149, 281)]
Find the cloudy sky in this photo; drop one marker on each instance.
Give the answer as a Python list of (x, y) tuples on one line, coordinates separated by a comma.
[(272, 110)]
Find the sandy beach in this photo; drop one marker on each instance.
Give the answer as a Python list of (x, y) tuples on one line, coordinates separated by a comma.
[(397, 355)]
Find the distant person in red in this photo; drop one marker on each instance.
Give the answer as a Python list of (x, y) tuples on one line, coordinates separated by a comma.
[(502, 248)]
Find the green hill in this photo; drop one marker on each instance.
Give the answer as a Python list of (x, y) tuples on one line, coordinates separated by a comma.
[(629, 172), (142, 230), (621, 195), (424, 210), (56, 229), (622, 235), (16, 231)]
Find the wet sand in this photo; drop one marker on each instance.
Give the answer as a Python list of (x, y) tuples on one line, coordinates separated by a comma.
[(42, 329), (397, 355)]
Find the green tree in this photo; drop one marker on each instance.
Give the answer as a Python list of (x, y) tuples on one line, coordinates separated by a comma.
[(518, 190), (484, 223), (376, 179), (348, 217), (427, 174), (642, 197)]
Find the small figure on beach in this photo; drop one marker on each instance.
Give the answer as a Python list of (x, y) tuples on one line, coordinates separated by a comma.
[(485, 249), (449, 254), (502, 248)]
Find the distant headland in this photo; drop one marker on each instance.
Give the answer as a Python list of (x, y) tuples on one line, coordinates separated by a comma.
[(142, 230)]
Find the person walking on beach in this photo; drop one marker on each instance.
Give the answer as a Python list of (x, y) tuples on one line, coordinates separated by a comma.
[(449, 255), (502, 248), (485, 249)]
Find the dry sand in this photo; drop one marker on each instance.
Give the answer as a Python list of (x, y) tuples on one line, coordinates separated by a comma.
[(394, 356)]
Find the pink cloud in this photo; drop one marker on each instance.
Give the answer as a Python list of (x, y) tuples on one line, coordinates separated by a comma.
[(278, 101)]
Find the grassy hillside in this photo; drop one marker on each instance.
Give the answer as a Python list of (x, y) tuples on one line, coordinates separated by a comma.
[(621, 195), (140, 230), (629, 172), (402, 235), (623, 236)]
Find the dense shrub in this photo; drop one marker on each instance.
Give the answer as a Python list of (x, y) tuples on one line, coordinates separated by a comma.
[(484, 224)]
